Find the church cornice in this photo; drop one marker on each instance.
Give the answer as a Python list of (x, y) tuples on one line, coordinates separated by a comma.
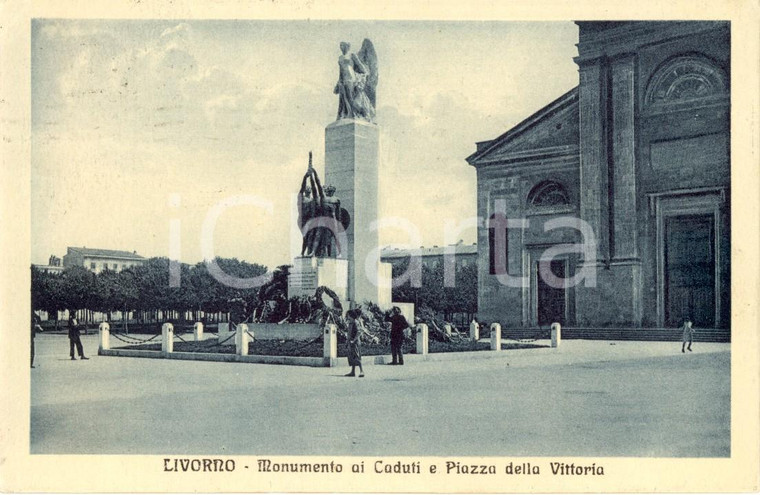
[(480, 157), (560, 163), (625, 37), (569, 151)]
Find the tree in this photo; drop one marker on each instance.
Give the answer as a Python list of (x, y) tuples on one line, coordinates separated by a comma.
[(46, 293), (129, 294), (405, 292), (152, 279), (107, 296), (462, 297), (76, 288), (146, 288)]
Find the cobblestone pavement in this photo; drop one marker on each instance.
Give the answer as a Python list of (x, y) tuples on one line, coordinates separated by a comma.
[(587, 398)]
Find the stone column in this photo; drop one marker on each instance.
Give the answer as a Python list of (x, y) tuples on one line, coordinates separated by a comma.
[(241, 340), (351, 166), (624, 156), (422, 339), (105, 335), (167, 338), (625, 266), (495, 336), (330, 344), (474, 330), (556, 334), (198, 331), (592, 108)]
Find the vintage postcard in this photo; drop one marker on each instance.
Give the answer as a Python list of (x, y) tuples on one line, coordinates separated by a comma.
[(347, 247)]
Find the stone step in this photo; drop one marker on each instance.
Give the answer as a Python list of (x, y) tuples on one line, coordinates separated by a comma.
[(641, 334)]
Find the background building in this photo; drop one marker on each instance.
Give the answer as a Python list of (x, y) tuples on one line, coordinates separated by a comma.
[(97, 260), (53, 266), (640, 152), (462, 255)]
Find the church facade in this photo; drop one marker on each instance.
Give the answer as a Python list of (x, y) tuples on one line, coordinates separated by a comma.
[(610, 207)]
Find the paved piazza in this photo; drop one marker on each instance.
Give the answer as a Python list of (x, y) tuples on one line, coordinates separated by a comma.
[(589, 398)]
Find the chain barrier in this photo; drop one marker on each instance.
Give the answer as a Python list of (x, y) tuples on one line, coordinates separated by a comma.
[(308, 343), (116, 336), (543, 334), (132, 340), (226, 340)]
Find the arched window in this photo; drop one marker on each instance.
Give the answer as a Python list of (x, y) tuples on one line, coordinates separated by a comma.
[(547, 194), (686, 78), (497, 244)]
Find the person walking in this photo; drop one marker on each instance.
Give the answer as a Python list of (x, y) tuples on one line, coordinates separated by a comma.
[(354, 344), (688, 335), (74, 340), (398, 325)]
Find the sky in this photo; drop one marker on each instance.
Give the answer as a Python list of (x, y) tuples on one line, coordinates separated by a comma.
[(138, 126)]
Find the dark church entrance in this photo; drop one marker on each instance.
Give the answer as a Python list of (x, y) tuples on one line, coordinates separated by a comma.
[(551, 300), (690, 270)]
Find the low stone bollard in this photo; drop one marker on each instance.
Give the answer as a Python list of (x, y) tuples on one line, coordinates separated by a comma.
[(167, 338), (241, 340), (330, 345), (198, 331), (556, 334), (105, 336), (495, 336), (422, 339), (474, 330)]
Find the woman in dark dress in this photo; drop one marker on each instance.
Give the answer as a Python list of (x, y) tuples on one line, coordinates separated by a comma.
[(354, 351)]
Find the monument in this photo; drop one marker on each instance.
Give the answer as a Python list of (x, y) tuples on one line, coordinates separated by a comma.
[(340, 241)]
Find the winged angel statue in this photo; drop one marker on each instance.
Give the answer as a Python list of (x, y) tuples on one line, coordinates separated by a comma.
[(357, 82)]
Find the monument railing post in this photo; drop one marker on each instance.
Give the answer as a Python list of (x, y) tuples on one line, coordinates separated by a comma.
[(422, 339), (330, 345), (474, 331), (167, 338), (556, 334), (105, 336), (495, 336), (198, 331), (241, 339)]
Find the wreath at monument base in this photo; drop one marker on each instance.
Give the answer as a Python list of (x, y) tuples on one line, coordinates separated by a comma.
[(325, 307)]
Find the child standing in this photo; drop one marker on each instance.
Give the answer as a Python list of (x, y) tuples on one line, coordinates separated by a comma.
[(688, 335)]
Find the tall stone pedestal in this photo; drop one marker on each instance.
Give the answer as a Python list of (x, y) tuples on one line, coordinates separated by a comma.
[(351, 166), (308, 273)]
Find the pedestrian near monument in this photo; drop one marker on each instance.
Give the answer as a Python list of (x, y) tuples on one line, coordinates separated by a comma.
[(35, 328), (688, 335), (398, 325), (474, 328), (354, 350), (74, 340)]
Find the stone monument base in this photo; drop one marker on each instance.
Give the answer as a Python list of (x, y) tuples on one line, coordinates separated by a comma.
[(384, 297), (310, 272)]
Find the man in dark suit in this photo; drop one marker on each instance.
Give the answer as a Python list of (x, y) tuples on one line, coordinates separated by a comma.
[(74, 340), (398, 325)]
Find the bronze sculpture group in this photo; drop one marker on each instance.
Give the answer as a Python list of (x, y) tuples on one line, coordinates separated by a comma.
[(320, 217)]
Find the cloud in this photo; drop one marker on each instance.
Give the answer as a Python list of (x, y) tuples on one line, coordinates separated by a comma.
[(181, 30), (54, 29)]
